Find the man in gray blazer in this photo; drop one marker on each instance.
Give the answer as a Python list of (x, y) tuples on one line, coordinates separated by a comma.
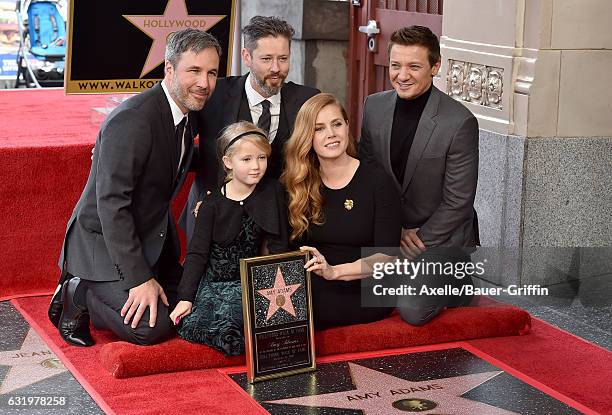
[(120, 257), (428, 143)]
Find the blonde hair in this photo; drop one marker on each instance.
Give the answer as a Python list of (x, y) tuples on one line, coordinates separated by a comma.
[(301, 177), (234, 130)]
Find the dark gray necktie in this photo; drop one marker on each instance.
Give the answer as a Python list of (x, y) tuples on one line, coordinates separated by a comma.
[(266, 118)]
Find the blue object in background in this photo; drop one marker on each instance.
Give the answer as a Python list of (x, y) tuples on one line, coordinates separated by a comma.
[(47, 31), (8, 65)]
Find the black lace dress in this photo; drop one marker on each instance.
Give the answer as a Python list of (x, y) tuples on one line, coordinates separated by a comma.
[(225, 231)]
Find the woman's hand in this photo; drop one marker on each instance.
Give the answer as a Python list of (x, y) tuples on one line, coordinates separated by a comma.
[(182, 309), (196, 209), (319, 265)]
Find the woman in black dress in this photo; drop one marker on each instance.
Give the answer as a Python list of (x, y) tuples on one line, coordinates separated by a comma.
[(337, 206)]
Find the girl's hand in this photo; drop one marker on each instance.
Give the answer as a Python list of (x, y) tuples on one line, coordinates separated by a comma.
[(182, 309), (318, 264)]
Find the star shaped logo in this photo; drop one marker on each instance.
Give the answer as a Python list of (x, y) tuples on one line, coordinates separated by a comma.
[(158, 27), (380, 394), (32, 363), (279, 295)]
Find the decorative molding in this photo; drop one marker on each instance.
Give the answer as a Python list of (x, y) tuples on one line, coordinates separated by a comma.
[(475, 83)]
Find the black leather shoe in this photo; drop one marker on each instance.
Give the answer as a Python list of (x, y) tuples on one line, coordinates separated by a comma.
[(56, 306), (74, 322)]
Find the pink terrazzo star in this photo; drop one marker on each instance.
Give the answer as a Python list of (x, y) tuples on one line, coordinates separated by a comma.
[(158, 27), (31, 363), (279, 295), (377, 393)]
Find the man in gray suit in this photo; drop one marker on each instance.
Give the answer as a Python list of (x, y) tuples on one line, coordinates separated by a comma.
[(120, 258), (428, 143)]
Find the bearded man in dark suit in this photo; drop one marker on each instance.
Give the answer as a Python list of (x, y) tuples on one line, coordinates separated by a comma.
[(120, 257), (261, 96)]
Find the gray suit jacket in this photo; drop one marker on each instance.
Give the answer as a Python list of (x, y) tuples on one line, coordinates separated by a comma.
[(439, 185), (122, 219)]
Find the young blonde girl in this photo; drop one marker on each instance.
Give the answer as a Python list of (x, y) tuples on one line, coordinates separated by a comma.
[(244, 218)]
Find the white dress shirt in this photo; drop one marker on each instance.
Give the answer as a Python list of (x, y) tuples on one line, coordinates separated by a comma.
[(177, 117), (255, 100)]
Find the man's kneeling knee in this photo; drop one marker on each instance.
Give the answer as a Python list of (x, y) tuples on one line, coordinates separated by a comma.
[(145, 335), (418, 316)]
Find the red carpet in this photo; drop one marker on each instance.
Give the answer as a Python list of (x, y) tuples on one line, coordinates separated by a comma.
[(43, 170), (44, 167), (127, 360), (560, 360), (552, 357)]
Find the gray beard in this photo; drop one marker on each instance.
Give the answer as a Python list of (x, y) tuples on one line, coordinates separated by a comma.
[(184, 98), (267, 91)]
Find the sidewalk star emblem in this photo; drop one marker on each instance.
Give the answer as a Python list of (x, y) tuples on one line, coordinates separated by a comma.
[(32, 363), (279, 295), (158, 27), (377, 393)]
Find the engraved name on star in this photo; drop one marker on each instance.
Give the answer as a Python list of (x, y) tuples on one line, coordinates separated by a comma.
[(377, 393), (158, 27), (32, 363), (279, 295)]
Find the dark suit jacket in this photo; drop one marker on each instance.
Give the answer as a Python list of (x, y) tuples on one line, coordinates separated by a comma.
[(122, 219), (439, 185), (223, 109)]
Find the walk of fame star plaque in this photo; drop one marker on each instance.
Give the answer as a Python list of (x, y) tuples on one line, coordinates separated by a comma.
[(277, 308), (118, 46), (438, 381)]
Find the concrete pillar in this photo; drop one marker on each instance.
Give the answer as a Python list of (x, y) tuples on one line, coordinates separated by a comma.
[(536, 75)]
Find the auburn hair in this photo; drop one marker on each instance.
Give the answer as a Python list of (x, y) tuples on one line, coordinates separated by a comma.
[(301, 177)]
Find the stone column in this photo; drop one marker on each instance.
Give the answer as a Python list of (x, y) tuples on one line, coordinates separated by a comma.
[(536, 73), (319, 47)]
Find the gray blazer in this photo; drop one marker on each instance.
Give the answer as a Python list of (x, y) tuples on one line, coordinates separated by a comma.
[(439, 185), (122, 219)]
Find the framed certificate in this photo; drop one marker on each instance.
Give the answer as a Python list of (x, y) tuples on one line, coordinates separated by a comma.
[(277, 309)]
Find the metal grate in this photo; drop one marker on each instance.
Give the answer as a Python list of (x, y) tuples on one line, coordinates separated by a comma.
[(419, 6)]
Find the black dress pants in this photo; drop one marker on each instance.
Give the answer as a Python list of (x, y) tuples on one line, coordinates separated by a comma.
[(106, 299)]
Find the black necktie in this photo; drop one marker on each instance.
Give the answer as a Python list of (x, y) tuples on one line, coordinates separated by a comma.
[(266, 118), (180, 130), (182, 138)]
